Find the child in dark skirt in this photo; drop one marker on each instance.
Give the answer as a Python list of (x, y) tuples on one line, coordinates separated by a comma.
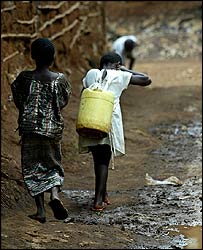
[(40, 95)]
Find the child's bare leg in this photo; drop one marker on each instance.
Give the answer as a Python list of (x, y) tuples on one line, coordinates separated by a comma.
[(106, 199), (60, 212), (54, 193), (101, 155), (40, 215), (101, 172), (39, 200)]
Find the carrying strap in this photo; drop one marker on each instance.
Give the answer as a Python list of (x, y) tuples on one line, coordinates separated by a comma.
[(100, 81), (112, 149), (111, 134)]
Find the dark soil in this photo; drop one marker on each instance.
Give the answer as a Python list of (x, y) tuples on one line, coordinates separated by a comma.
[(163, 132)]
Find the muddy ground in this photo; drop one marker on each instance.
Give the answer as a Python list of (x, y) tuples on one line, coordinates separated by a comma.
[(163, 132)]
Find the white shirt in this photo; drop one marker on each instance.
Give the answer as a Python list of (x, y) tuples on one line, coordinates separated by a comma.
[(119, 81), (118, 44)]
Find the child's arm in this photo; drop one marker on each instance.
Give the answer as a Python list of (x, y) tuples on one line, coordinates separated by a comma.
[(137, 78), (123, 68), (20, 89), (65, 91)]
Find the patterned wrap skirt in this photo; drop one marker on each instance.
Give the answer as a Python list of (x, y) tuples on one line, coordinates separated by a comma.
[(41, 163)]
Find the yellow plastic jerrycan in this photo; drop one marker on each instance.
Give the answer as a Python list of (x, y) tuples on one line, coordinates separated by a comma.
[(95, 113)]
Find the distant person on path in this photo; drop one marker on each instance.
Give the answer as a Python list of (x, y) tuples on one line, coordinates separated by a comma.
[(125, 46), (102, 149), (40, 95)]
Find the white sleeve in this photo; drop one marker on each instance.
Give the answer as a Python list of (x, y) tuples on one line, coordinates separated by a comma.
[(126, 79), (93, 76)]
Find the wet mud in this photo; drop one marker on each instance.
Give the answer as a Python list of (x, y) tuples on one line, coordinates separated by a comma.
[(163, 135), (156, 208)]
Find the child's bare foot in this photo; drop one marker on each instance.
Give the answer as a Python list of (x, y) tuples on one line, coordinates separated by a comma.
[(37, 217), (99, 208), (106, 199), (60, 212)]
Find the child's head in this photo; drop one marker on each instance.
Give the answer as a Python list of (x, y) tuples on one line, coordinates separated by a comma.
[(42, 51), (110, 59), (129, 45)]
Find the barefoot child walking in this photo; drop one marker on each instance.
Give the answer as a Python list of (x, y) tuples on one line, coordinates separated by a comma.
[(40, 95), (113, 143)]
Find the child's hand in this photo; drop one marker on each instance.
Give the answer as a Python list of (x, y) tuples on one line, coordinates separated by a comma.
[(122, 68), (140, 80)]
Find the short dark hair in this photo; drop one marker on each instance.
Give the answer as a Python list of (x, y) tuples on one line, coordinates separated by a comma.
[(42, 51), (129, 44), (110, 57)]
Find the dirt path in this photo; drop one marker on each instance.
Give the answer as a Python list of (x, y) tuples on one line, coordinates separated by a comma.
[(163, 138)]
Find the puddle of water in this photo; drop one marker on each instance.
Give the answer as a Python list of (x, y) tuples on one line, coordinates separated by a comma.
[(192, 234)]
